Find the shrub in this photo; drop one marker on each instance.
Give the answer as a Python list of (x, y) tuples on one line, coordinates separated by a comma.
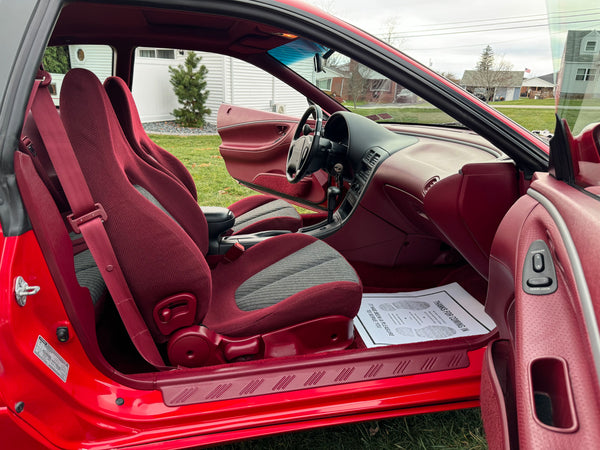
[(189, 85)]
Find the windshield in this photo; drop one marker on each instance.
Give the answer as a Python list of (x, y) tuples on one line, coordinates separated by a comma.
[(357, 87), (575, 38)]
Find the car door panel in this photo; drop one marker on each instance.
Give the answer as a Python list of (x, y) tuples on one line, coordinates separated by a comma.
[(540, 378), (255, 146)]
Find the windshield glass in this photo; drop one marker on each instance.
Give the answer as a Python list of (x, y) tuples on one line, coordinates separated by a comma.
[(575, 38), (357, 87)]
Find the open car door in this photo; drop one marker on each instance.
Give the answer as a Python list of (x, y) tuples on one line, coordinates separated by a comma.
[(255, 148), (540, 379)]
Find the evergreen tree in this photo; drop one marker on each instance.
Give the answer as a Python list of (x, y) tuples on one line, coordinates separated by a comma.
[(490, 73), (189, 85), (486, 60), (56, 59)]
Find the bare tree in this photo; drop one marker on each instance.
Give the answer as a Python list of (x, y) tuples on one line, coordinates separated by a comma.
[(357, 82), (491, 73), (390, 35), (450, 76)]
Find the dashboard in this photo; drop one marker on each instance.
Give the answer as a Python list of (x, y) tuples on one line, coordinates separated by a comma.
[(389, 172)]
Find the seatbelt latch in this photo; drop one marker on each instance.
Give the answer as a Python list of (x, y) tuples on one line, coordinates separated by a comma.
[(75, 222), (234, 252)]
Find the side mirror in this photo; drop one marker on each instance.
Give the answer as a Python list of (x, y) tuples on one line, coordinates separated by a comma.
[(561, 160), (318, 62)]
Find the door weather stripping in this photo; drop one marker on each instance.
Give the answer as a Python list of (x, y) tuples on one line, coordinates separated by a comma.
[(23, 290), (587, 304)]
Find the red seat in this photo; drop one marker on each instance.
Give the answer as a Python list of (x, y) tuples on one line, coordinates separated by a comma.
[(252, 214), (160, 240)]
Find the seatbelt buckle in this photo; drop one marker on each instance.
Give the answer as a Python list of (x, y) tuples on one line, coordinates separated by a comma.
[(234, 252), (75, 222)]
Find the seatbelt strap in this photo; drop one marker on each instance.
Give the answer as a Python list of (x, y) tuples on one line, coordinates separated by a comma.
[(88, 217)]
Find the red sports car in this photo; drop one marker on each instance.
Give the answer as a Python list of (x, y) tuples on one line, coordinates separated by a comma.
[(447, 258)]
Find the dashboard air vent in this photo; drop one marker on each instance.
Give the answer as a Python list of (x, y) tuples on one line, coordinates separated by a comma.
[(429, 184)]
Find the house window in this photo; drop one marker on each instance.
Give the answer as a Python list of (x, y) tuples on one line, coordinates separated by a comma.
[(324, 84), (585, 75), (165, 54), (590, 46), (144, 53), (157, 53)]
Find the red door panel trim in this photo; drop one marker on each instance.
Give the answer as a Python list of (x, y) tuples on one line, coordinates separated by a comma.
[(587, 305)]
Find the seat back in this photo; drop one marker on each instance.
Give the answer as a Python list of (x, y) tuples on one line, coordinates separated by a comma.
[(124, 106), (159, 238)]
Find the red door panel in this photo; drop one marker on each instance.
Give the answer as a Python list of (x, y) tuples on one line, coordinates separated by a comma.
[(255, 146), (541, 378)]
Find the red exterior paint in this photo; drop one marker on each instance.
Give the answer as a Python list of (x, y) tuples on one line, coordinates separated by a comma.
[(83, 411), (93, 411)]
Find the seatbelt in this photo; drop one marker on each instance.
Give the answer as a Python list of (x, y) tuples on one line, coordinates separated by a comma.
[(87, 218)]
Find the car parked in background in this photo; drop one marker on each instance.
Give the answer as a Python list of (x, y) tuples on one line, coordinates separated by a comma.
[(449, 261)]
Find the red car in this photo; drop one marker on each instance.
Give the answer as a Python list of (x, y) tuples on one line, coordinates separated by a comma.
[(449, 262)]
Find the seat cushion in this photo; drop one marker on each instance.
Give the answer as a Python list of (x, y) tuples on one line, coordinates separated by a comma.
[(280, 282), (264, 212), (89, 276)]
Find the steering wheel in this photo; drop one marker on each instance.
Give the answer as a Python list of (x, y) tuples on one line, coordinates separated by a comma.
[(305, 145)]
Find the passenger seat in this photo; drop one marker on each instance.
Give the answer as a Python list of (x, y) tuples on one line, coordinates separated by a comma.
[(252, 214)]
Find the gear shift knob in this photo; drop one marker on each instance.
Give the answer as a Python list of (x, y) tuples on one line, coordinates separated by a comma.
[(333, 193)]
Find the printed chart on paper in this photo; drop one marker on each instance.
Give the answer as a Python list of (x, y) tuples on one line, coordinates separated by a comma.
[(444, 312)]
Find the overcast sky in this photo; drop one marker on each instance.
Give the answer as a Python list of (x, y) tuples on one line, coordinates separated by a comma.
[(450, 35)]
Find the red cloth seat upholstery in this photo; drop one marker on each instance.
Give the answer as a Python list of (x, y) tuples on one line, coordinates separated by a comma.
[(285, 280), (252, 214)]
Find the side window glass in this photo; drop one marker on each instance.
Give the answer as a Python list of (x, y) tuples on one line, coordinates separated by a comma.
[(59, 60), (228, 80)]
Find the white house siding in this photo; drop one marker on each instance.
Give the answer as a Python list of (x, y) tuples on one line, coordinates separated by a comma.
[(288, 100), (509, 93), (97, 58), (152, 91), (250, 86), (229, 80)]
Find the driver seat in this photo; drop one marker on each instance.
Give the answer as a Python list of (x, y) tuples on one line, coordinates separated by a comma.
[(252, 214), (288, 295)]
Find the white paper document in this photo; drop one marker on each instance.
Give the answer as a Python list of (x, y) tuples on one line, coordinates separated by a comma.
[(444, 312)]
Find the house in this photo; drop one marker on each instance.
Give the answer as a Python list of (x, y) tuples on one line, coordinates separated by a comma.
[(581, 65), (354, 82), (538, 87), (493, 85), (229, 80)]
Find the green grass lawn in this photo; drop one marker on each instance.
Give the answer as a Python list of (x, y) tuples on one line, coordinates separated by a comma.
[(526, 102), (531, 119), (459, 429), (453, 429), (201, 156)]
